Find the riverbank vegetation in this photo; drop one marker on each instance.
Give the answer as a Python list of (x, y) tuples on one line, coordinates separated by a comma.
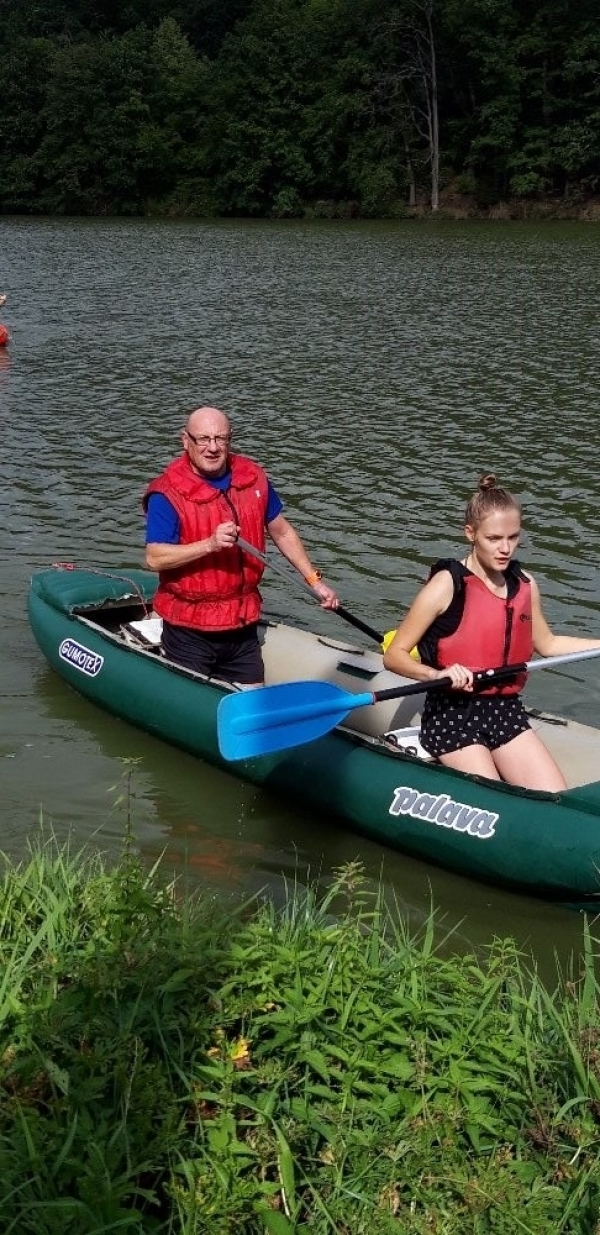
[(284, 108), (167, 1066)]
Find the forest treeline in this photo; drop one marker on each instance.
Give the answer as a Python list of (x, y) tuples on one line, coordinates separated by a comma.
[(283, 108)]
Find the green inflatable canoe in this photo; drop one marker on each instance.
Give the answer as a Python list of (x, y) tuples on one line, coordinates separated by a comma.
[(96, 629)]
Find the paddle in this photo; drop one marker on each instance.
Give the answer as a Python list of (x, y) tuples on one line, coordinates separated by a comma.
[(256, 722), (289, 578)]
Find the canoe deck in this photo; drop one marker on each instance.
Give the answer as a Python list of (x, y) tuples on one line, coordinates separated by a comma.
[(120, 604), (574, 746), (291, 654)]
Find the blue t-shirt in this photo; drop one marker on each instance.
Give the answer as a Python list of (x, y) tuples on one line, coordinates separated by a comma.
[(162, 520)]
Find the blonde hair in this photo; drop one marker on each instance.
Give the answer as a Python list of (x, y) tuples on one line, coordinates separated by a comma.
[(490, 496)]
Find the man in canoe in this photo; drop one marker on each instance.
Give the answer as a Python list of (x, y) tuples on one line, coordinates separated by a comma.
[(208, 593), (479, 613)]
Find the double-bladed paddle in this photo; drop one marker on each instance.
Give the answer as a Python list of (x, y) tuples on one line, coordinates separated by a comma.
[(289, 578), (270, 718)]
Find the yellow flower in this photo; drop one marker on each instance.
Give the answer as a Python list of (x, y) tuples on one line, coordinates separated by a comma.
[(240, 1053)]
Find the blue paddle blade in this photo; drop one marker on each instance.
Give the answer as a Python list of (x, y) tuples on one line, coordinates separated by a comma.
[(257, 722)]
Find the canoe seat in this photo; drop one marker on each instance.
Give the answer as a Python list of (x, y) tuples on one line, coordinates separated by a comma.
[(408, 740), (574, 746), (292, 655), (146, 633)]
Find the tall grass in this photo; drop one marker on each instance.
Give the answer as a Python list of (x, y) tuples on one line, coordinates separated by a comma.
[(313, 1068)]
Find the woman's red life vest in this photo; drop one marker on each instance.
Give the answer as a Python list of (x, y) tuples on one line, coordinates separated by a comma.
[(480, 630), (220, 590)]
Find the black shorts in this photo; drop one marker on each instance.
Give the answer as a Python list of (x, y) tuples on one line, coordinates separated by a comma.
[(231, 655), (453, 719)]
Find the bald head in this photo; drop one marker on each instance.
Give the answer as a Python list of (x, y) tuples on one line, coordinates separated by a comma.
[(206, 439), (208, 420)]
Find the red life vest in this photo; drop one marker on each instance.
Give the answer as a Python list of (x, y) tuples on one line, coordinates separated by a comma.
[(220, 590), (480, 630)]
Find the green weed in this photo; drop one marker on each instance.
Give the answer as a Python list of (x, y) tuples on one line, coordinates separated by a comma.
[(275, 1071)]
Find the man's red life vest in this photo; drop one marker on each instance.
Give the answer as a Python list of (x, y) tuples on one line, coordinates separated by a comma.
[(481, 631), (220, 590)]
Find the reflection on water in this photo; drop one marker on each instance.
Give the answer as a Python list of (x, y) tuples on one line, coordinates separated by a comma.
[(375, 369), (235, 840)]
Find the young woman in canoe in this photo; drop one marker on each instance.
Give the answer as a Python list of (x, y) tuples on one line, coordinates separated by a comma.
[(478, 613)]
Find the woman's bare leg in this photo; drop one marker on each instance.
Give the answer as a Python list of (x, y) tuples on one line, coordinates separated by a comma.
[(477, 760), (526, 761)]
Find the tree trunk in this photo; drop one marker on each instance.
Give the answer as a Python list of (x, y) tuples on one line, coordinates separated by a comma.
[(410, 172), (432, 108)]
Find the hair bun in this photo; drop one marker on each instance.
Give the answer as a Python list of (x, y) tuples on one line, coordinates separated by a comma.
[(490, 497)]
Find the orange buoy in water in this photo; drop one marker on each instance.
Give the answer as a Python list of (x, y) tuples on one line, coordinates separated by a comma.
[(3, 335)]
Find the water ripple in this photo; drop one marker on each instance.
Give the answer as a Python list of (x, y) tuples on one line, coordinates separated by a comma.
[(375, 369)]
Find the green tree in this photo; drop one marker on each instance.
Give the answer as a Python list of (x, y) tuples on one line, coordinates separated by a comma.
[(360, 117), (481, 101), (276, 107), (261, 86), (89, 158), (559, 52), (171, 140), (25, 69), (296, 118), (121, 121), (406, 86)]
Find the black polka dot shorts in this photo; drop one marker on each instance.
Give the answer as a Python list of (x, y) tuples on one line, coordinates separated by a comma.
[(452, 720)]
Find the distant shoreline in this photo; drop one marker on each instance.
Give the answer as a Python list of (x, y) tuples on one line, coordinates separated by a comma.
[(453, 207)]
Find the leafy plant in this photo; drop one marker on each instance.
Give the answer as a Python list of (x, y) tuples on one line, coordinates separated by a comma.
[(313, 1067)]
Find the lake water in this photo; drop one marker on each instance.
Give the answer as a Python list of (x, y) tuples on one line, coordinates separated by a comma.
[(375, 369)]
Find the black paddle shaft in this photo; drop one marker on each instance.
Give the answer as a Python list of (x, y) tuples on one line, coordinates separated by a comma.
[(416, 688), (306, 587), (483, 675), (360, 625)]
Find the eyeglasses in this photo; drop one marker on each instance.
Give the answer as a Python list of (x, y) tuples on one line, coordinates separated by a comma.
[(203, 440)]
